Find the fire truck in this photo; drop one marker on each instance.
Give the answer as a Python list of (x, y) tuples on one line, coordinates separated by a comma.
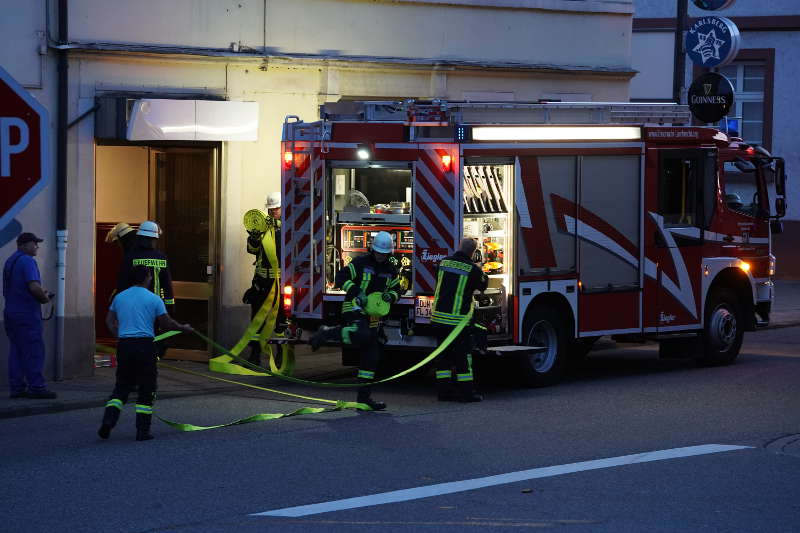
[(592, 219)]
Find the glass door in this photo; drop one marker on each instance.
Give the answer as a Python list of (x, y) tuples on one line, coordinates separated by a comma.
[(182, 201)]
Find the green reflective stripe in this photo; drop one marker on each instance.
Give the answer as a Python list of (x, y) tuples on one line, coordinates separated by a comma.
[(464, 377), (348, 306), (456, 264), (480, 326), (444, 320), (157, 281), (353, 273), (347, 284), (444, 374), (114, 402), (155, 263), (459, 299), (144, 409), (366, 374), (169, 301), (365, 281), (346, 332), (448, 316), (469, 362), (392, 282), (438, 286)]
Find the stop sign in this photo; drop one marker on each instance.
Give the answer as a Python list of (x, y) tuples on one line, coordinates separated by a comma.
[(24, 148)]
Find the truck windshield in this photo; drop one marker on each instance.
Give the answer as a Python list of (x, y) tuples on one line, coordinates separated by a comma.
[(740, 190)]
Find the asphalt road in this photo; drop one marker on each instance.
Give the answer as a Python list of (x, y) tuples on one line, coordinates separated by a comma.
[(58, 476)]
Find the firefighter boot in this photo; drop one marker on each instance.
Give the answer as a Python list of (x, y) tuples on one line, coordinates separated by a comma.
[(365, 397), (143, 426), (110, 417), (467, 393), (323, 334)]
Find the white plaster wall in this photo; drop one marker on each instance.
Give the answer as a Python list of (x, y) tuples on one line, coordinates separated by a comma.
[(22, 27), (653, 59), (742, 8), (449, 30)]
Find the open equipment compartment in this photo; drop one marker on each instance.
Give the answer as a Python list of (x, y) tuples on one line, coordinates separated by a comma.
[(362, 200), (488, 218)]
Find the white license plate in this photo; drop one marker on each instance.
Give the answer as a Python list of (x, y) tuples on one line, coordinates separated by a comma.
[(422, 310)]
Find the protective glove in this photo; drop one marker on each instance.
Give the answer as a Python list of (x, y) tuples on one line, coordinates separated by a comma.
[(361, 299), (386, 297)]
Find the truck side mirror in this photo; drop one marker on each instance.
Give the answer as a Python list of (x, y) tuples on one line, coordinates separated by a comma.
[(780, 177)]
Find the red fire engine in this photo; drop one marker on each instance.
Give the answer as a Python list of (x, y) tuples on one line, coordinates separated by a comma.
[(592, 219)]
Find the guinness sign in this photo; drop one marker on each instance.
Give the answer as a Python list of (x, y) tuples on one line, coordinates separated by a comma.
[(710, 97)]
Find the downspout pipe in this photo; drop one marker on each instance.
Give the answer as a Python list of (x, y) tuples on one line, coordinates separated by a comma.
[(679, 76), (61, 186)]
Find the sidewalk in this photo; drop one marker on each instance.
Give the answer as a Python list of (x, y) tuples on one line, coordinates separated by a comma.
[(93, 391)]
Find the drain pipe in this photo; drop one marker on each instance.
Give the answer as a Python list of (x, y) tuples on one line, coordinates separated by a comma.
[(61, 188)]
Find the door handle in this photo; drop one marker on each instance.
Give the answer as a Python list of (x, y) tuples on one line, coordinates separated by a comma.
[(728, 238)]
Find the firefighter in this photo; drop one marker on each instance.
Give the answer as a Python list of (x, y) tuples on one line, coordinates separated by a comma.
[(374, 272), (144, 253), (264, 245), (124, 235), (457, 280), (131, 317)]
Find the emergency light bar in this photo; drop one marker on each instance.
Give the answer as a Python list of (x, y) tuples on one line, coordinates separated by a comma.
[(556, 133)]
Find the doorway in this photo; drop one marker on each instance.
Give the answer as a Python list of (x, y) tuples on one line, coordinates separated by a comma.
[(177, 187)]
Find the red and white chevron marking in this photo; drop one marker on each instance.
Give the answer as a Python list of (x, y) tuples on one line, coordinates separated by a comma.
[(437, 201), (298, 187)]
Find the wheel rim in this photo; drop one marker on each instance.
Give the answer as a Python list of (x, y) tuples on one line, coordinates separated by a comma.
[(723, 328), (543, 334)]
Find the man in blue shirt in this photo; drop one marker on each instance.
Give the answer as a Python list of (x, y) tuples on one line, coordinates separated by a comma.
[(22, 316), (131, 318)]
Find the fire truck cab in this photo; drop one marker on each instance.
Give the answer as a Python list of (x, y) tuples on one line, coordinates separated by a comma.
[(592, 219)]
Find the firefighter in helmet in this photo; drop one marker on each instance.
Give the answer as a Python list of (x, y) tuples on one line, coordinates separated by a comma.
[(124, 235), (371, 283), (458, 279), (144, 253), (264, 242)]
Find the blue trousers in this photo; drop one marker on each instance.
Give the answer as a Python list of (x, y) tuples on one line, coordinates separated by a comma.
[(26, 352)]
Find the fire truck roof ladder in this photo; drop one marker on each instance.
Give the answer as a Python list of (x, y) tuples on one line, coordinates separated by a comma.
[(440, 112)]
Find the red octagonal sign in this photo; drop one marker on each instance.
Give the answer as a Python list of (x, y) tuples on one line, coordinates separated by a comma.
[(24, 148)]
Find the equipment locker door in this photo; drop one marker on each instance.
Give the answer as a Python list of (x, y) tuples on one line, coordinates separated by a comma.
[(302, 235), (437, 218), (682, 204)]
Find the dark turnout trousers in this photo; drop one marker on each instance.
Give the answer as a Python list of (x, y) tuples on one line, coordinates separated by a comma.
[(136, 365)]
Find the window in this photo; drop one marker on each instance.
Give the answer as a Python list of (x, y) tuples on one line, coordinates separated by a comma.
[(676, 195), (741, 191)]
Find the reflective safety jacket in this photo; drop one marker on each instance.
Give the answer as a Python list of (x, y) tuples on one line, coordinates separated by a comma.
[(158, 264), (267, 249), (365, 274), (457, 280)]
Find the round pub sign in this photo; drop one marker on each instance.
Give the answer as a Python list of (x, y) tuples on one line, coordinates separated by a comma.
[(710, 97), (714, 5), (713, 41)]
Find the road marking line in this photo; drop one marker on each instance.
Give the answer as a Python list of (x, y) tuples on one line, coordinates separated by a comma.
[(500, 479)]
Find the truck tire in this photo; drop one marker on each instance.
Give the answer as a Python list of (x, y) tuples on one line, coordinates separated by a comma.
[(545, 326), (722, 332)]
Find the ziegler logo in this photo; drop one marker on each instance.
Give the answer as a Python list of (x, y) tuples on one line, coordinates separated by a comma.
[(431, 257), (665, 319)]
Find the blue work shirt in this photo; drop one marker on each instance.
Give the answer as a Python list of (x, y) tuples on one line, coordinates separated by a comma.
[(19, 270), (137, 309)]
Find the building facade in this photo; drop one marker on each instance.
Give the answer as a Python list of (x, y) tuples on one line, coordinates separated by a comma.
[(764, 75), (281, 58)]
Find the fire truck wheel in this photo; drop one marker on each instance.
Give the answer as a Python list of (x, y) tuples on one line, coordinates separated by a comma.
[(722, 334), (545, 326)]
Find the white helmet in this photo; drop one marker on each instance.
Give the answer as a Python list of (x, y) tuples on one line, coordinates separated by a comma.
[(273, 200), (149, 229), (382, 243)]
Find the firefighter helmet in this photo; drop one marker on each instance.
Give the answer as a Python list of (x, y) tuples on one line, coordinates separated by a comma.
[(382, 243), (273, 200), (149, 229), (118, 231)]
